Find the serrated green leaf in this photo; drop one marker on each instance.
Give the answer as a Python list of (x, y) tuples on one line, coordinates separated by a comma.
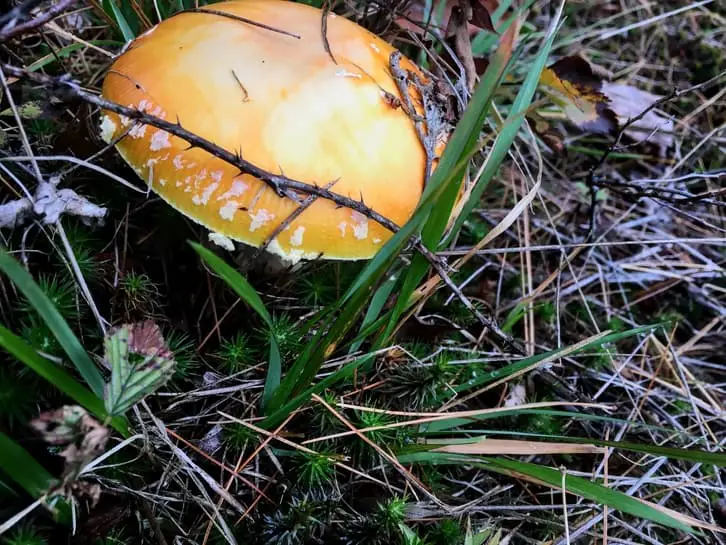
[(135, 373)]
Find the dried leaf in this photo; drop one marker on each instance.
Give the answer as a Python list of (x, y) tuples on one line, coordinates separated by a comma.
[(60, 426), (516, 397), (628, 102), (140, 362), (441, 11), (83, 436), (571, 83), (547, 133), (523, 448), (462, 44)]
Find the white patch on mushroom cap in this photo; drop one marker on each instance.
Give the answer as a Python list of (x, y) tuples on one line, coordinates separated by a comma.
[(217, 175), (342, 225), (138, 131), (297, 236), (360, 225), (375, 48), (376, 240), (178, 162), (260, 218), (343, 73), (108, 129), (228, 210), (237, 189), (158, 112), (220, 240), (159, 140), (204, 199), (162, 182), (292, 257)]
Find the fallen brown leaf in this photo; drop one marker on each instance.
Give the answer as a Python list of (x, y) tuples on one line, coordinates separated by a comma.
[(414, 16), (628, 102), (571, 83)]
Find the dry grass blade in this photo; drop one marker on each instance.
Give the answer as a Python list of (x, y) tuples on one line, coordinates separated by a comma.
[(514, 447)]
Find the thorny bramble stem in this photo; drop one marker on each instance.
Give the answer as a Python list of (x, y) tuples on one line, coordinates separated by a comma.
[(66, 89)]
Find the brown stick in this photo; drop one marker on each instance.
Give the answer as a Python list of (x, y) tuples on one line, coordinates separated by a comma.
[(12, 28)]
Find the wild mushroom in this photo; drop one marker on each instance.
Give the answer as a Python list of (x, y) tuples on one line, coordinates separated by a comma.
[(257, 77)]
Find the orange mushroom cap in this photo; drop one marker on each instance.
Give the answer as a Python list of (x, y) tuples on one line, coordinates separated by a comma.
[(284, 103)]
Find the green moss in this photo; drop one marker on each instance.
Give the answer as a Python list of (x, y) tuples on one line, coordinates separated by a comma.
[(315, 470), (18, 396), (24, 535), (236, 354), (185, 354), (63, 294)]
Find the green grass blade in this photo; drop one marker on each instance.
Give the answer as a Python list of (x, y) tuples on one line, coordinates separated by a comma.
[(58, 378), (113, 11), (26, 472), (675, 453), (247, 293), (22, 468), (378, 301), (499, 374), (449, 174), (277, 417), (449, 426), (511, 127), (590, 490), (55, 322)]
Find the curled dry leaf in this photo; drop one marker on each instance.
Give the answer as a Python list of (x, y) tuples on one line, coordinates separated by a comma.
[(572, 85), (83, 436), (462, 43)]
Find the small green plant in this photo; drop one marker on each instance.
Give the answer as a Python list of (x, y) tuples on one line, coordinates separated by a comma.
[(37, 333), (447, 532), (316, 290), (315, 470), (185, 354), (287, 330), (139, 293), (24, 535), (301, 521), (238, 437), (63, 294), (18, 395), (419, 385), (369, 419), (236, 354), (392, 512), (115, 537)]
